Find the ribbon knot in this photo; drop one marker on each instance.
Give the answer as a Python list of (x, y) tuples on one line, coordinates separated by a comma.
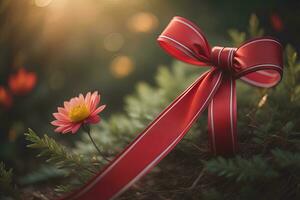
[(222, 57)]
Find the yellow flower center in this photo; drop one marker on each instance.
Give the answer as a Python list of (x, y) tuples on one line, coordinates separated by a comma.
[(79, 113)]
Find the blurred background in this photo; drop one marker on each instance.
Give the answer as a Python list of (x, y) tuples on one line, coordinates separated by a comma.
[(52, 50)]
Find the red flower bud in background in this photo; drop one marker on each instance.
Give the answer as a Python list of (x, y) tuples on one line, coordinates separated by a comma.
[(5, 98), (276, 22), (22, 82)]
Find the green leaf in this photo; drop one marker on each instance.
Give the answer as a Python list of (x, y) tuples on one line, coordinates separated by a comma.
[(236, 36), (254, 28)]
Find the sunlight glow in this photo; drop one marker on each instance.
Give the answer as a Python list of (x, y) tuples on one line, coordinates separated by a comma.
[(42, 3), (142, 22)]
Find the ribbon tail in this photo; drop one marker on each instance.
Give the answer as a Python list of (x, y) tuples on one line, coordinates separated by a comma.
[(222, 118), (154, 143)]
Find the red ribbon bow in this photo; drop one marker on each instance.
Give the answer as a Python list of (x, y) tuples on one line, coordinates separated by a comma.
[(257, 62)]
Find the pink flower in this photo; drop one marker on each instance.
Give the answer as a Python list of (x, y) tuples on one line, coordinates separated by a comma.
[(76, 112)]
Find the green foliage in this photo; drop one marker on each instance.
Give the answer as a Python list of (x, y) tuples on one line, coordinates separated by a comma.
[(6, 183), (64, 188), (44, 173), (241, 169), (54, 152), (212, 194), (286, 159), (254, 28), (77, 167), (292, 71), (237, 37)]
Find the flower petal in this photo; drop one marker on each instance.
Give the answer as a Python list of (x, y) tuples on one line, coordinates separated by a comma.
[(58, 129), (88, 99), (73, 102), (98, 110), (95, 102), (75, 128), (60, 123), (61, 129), (93, 119), (67, 105), (67, 129), (62, 110), (61, 117), (91, 101), (81, 98)]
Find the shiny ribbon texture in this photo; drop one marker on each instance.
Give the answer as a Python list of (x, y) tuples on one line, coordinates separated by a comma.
[(257, 62)]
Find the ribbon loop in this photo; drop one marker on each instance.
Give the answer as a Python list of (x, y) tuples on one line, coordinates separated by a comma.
[(184, 40), (260, 62)]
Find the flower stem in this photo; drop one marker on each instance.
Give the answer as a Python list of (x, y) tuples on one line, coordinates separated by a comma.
[(88, 131)]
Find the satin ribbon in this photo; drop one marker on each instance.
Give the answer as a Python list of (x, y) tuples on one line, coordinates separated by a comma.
[(257, 62)]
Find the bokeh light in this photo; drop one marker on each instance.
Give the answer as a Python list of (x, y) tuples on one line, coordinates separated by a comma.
[(42, 3), (113, 42), (142, 22), (121, 66)]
